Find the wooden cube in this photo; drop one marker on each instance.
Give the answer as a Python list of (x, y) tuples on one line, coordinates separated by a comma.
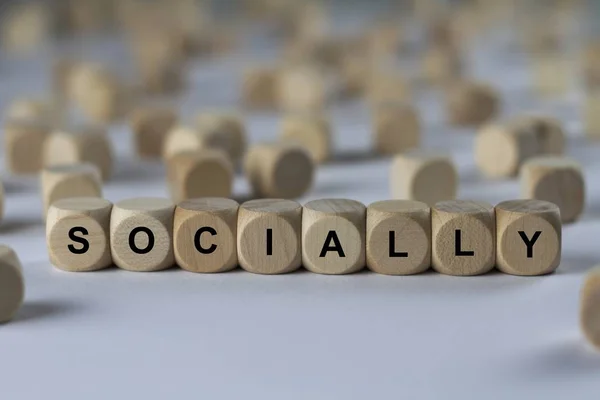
[(25, 26), (141, 234), (471, 103), (279, 170), (77, 234), (549, 132), (70, 180), (23, 144), (225, 128), (425, 177), (591, 65), (12, 284), (86, 144), (203, 173), (551, 74), (528, 237), (259, 88), (501, 149), (398, 237), (269, 236), (32, 109), (463, 237), (311, 131), (303, 88), (333, 236), (385, 86), (205, 234), (183, 139), (397, 128), (150, 126), (591, 114), (441, 65), (589, 308), (558, 180)]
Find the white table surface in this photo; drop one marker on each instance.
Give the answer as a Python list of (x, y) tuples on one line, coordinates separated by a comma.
[(174, 334)]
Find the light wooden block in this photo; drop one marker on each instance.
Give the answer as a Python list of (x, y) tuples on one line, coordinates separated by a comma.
[(279, 170), (78, 234), (303, 89), (225, 128), (141, 234), (269, 237), (591, 115), (589, 308), (425, 177), (384, 86), (32, 109), (591, 66), (558, 180), (86, 144), (551, 74), (549, 132), (397, 128), (528, 237), (333, 236), (25, 26), (70, 180), (471, 103), (259, 88), (183, 139), (203, 173), (23, 145), (12, 284), (205, 233), (501, 149), (398, 237), (312, 131), (463, 237), (441, 65), (150, 126)]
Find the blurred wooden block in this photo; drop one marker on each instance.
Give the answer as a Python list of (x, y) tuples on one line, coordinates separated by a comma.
[(259, 88), (441, 66), (397, 128), (150, 126), (333, 236), (311, 131), (225, 128), (205, 233), (528, 237), (98, 92), (24, 27), (269, 237), (549, 132), (12, 284), (85, 144), (463, 237), (558, 180), (141, 234), (398, 237), (279, 170), (501, 149), (303, 89), (32, 109), (471, 103), (420, 176), (591, 66), (551, 73), (591, 115), (202, 173), (589, 308), (387, 87), (183, 139), (23, 144), (78, 234), (69, 180)]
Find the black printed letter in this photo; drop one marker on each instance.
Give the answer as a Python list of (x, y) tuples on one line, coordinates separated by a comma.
[(332, 236), (269, 242), (530, 243), (457, 247), (77, 239), (197, 244), (150, 245), (393, 252)]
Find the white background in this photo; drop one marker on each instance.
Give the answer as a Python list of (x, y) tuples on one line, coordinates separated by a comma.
[(174, 334)]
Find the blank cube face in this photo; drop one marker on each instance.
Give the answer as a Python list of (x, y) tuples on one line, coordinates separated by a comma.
[(398, 237), (228, 131), (333, 236), (310, 131), (386, 87), (463, 237), (397, 129), (528, 238), (471, 103), (24, 143), (423, 177), (141, 234), (206, 173), (269, 236), (589, 311), (558, 180), (12, 286), (302, 89), (204, 236), (259, 89), (550, 75), (67, 181), (77, 234), (150, 127)]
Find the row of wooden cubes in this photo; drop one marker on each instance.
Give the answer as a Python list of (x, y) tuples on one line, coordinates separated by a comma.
[(328, 236)]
